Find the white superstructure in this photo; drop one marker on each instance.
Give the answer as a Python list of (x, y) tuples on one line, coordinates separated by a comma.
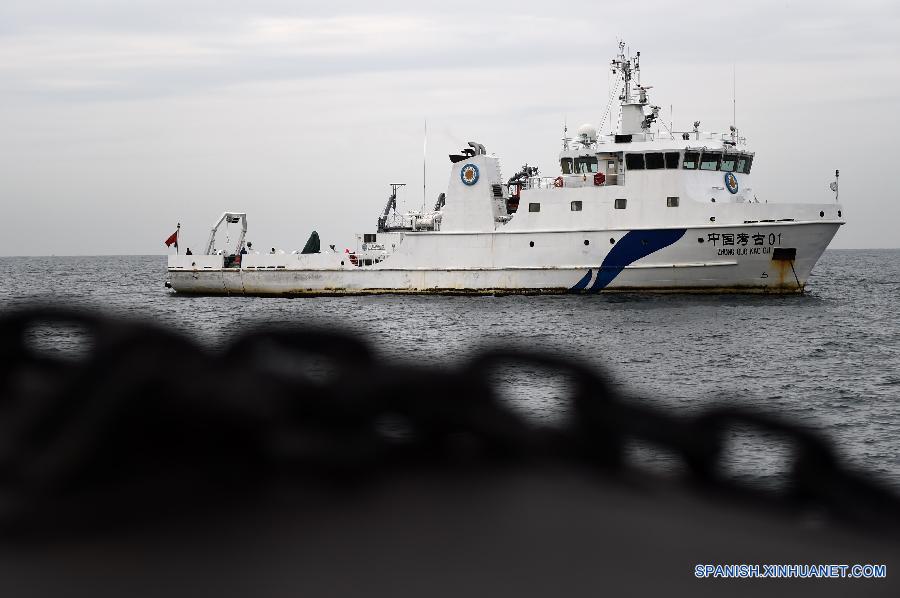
[(635, 210)]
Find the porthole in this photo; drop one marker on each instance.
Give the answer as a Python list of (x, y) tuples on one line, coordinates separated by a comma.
[(699, 239), (586, 242), (839, 213), (531, 244), (612, 241), (712, 199), (822, 214), (342, 263), (712, 218)]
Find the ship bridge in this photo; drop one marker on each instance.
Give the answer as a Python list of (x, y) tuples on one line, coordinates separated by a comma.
[(609, 165)]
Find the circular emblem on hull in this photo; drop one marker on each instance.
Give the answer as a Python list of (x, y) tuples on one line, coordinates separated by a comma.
[(469, 174), (731, 182)]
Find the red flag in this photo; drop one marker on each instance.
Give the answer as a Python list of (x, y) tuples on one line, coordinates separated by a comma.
[(172, 239)]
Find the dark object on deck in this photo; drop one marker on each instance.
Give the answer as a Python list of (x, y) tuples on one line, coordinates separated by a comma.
[(298, 462), (312, 244), (232, 261)]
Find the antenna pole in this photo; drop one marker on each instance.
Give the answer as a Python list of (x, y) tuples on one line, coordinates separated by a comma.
[(424, 163), (734, 95)]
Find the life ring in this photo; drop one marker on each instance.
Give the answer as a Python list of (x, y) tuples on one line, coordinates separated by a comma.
[(558, 181), (599, 179)]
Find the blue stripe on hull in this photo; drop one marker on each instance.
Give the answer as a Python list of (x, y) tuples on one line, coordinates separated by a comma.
[(633, 246), (583, 283)]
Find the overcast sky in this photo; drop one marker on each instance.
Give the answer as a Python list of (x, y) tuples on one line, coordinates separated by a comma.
[(120, 119)]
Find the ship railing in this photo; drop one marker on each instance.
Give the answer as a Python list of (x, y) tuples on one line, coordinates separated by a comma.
[(706, 136), (573, 180), (540, 182), (678, 135)]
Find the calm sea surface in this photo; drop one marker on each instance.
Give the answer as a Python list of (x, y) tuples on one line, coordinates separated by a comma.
[(829, 359)]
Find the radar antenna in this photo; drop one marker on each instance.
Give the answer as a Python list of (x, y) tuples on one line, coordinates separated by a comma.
[(622, 66)]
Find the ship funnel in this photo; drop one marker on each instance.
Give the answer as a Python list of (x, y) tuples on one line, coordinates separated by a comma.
[(479, 148)]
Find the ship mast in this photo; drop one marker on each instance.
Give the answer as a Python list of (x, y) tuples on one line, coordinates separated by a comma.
[(632, 118)]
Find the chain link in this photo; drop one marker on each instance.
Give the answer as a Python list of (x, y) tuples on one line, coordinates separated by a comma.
[(293, 401)]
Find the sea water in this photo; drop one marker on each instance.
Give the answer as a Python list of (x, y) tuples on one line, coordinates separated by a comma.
[(829, 359)]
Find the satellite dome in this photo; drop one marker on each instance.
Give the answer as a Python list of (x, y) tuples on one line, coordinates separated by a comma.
[(587, 132)]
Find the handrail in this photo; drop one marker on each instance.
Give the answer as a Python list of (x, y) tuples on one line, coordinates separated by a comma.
[(677, 135), (573, 180)]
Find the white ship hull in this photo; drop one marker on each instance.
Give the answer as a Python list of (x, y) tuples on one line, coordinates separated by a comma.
[(684, 264)]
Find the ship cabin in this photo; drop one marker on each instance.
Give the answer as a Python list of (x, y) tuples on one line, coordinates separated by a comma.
[(596, 165)]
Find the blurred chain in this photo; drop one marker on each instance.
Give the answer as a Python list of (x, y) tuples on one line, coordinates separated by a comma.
[(145, 399)]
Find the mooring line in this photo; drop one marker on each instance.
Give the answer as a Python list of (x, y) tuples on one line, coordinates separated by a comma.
[(797, 278)]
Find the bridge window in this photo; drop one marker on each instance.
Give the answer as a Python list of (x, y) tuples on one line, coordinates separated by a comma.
[(534, 207), (672, 202), (671, 159), (575, 206), (655, 161), (634, 161), (369, 238), (621, 203), (566, 165), (585, 165), (710, 161), (691, 160), (728, 162), (743, 164)]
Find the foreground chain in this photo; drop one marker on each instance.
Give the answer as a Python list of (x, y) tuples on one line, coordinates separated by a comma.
[(292, 403)]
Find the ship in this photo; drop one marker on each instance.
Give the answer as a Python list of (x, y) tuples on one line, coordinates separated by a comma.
[(639, 209)]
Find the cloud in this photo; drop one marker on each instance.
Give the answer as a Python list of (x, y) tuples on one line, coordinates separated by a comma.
[(46, 63), (102, 51)]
